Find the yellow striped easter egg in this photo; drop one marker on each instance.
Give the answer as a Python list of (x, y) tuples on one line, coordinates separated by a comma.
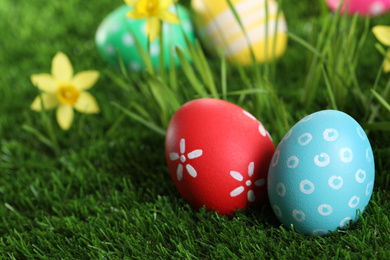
[(218, 28)]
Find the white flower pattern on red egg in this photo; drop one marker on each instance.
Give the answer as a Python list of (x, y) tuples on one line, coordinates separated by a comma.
[(183, 158), (238, 176), (262, 130)]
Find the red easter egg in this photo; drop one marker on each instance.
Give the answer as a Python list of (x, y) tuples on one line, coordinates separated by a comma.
[(218, 155)]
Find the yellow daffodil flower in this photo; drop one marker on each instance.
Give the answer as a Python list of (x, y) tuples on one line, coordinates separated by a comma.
[(382, 33), (154, 11), (65, 91)]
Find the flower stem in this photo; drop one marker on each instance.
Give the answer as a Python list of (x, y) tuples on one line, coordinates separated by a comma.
[(52, 136), (161, 56), (49, 128)]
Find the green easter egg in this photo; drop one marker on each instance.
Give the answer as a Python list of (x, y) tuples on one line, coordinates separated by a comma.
[(117, 32)]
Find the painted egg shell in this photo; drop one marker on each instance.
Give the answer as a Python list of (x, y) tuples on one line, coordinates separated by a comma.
[(219, 29), (218, 155), (364, 7), (117, 32), (322, 173)]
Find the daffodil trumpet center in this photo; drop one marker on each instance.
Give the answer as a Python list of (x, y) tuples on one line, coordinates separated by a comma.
[(68, 94), (148, 7)]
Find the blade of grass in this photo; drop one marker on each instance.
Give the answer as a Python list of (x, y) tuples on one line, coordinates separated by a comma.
[(247, 92), (141, 120), (208, 74), (374, 112), (141, 111), (115, 125), (279, 111), (49, 129), (164, 96), (259, 102), (161, 56), (145, 56), (198, 57), (122, 65), (329, 89), (381, 99), (223, 77), (382, 126), (195, 58), (41, 137), (189, 72), (362, 40), (306, 45), (172, 74), (117, 80), (279, 13)]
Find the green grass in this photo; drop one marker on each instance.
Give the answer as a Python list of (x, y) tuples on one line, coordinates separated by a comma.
[(108, 194)]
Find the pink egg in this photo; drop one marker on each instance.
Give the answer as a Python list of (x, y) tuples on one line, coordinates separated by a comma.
[(363, 7)]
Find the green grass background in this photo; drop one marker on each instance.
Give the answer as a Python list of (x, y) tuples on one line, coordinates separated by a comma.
[(109, 194)]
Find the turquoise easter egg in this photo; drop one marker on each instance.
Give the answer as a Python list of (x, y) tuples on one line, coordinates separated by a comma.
[(322, 173), (117, 33)]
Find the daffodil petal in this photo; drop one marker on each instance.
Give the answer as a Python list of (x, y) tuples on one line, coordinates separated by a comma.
[(50, 101), (164, 4), (65, 116), (169, 17), (386, 66), (44, 82), (87, 104), (382, 33), (135, 15), (153, 28), (61, 68), (131, 3), (85, 80)]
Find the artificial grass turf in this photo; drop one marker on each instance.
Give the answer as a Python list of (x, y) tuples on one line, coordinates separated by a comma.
[(108, 193)]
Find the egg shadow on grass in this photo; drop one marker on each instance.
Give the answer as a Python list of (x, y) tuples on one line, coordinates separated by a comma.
[(260, 213), (262, 216)]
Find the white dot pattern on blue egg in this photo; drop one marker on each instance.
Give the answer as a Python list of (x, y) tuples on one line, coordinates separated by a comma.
[(321, 173)]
